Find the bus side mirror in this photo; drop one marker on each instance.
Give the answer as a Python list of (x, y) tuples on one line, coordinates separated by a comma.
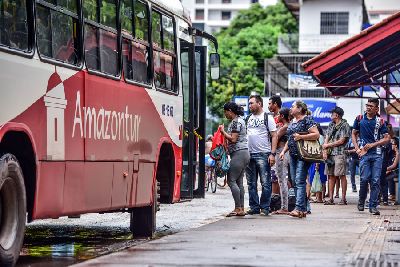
[(214, 66)]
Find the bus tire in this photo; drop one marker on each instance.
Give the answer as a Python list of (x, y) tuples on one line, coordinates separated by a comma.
[(12, 210), (143, 219)]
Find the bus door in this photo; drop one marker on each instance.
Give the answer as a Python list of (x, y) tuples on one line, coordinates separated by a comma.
[(200, 116), (193, 70), (188, 139)]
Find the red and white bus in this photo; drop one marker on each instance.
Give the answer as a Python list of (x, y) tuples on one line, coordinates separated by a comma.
[(98, 110)]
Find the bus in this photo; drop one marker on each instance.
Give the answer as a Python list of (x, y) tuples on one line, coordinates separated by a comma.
[(100, 101)]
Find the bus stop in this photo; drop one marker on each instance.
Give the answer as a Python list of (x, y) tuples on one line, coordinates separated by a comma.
[(371, 58)]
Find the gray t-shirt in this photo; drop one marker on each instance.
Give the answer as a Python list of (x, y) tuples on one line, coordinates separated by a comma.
[(237, 125), (257, 133)]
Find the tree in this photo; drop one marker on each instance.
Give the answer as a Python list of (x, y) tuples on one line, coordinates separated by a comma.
[(243, 46)]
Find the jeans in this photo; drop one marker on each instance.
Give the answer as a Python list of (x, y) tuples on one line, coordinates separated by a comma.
[(370, 172), (259, 165), (299, 170), (353, 162)]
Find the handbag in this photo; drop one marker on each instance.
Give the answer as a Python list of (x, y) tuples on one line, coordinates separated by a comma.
[(310, 150)]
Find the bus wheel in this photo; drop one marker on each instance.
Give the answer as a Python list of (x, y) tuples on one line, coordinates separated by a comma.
[(143, 219), (12, 210)]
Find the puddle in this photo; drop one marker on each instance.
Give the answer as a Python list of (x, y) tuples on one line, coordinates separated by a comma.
[(65, 245)]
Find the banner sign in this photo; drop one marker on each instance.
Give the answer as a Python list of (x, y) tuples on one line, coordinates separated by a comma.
[(320, 108), (303, 82)]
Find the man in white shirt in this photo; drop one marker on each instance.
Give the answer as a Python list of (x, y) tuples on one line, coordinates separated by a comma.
[(262, 142)]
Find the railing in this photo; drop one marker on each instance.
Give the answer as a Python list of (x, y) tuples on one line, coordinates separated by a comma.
[(288, 43)]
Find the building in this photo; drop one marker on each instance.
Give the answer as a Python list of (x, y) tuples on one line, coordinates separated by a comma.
[(213, 15), (379, 10), (322, 24)]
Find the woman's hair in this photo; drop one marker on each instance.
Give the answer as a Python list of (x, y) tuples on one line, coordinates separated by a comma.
[(235, 108), (285, 112), (396, 141), (302, 106)]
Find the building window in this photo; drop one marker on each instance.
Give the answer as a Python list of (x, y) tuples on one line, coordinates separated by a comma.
[(226, 1), (334, 23), (226, 15), (199, 1), (199, 14)]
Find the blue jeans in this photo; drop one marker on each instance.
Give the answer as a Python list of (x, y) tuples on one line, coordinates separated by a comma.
[(299, 170), (259, 165), (352, 166), (370, 172)]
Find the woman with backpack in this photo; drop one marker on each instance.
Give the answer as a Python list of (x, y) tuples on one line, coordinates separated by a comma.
[(237, 147)]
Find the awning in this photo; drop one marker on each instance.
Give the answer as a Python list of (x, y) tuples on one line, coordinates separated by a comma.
[(361, 60)]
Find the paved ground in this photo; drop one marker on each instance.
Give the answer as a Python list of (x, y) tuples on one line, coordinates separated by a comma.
[(330, 236)]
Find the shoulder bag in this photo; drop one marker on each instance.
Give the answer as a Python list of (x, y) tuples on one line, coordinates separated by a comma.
[(309, 150)]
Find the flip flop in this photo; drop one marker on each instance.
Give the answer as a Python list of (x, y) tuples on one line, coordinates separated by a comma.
[(329, 202), (343, 202)]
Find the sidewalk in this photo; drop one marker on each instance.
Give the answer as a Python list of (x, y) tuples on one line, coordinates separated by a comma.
[(330, 236)]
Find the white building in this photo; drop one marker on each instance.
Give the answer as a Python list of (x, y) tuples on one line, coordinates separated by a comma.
[(326, 23), (378, 10), (212, 15)]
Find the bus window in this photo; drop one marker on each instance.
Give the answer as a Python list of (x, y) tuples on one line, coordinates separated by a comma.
[(101, 47), (14, 24), (156, 29), (168, 31), (164, 52), (108, 13), (56, 32), (135, 47)]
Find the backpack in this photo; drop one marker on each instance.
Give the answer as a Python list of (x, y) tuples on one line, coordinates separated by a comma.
[(265, 123), (218, 153)]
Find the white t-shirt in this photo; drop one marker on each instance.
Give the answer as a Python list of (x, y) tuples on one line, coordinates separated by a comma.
[(257, 133)]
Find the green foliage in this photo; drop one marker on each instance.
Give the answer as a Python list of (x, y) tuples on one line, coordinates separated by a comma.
[(243, 46)]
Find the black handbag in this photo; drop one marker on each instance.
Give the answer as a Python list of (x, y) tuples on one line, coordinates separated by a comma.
[(310, 150)]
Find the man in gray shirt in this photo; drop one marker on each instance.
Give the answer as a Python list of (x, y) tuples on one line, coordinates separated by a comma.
[(262, 141)]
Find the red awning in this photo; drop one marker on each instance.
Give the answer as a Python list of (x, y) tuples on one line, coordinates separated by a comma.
[(360, 60)]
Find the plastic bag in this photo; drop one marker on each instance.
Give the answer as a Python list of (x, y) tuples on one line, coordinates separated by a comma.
[(221, 161), (218, 140), (316, 185)]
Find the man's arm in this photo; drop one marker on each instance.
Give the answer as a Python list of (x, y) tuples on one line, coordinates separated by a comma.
[(274, 143), (354, 137), (383, 141)]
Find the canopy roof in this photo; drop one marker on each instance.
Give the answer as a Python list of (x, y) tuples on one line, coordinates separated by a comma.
[(361, 60)]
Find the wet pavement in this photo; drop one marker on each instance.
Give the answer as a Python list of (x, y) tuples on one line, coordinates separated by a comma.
[(331, 236), (65, 241)]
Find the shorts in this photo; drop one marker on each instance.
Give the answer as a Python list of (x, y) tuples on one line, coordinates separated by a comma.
[(339, 168)]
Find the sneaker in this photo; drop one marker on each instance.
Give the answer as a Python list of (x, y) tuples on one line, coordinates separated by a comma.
[(264, 212), (252, 212), (374, 211), (360, 206), (385, 203)]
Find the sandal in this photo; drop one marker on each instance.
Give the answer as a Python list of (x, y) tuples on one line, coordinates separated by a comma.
[(231, 214), (297, 214), (280, 212), (329, 202), (342, 202)]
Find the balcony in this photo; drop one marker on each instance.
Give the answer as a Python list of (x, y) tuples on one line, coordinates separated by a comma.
[(317, 43)]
